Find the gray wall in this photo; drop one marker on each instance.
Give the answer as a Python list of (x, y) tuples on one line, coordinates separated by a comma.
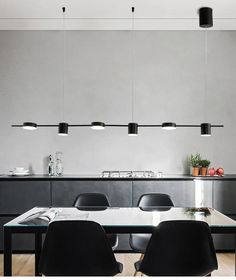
[(169, 86)]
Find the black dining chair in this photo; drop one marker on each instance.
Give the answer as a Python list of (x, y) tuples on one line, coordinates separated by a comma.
[(138, 242), (96, 202), (179, 248), (77, 248)]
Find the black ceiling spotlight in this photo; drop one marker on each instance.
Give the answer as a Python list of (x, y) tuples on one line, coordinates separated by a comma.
[(29, 125), (132, 129), (205, 129), (205, 17), (98, 125), (63, 129), (168, 125)]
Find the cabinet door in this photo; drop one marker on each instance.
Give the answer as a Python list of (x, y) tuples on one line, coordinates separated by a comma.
[(17, 197), (64, 193), (224, 196), (181, 192)]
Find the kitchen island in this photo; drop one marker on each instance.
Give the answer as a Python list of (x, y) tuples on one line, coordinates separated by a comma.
[(18, 194)]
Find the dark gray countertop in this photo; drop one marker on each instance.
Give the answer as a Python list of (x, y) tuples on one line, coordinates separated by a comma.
[(99, 178)]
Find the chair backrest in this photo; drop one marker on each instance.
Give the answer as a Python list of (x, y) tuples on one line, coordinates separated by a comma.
[(180, 248), (155, 199), (91, 199), (77, 248)]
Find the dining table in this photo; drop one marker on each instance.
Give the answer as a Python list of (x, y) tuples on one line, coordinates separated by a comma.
[(120, 220)]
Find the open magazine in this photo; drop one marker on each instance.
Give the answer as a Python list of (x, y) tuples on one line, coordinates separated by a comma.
[(40, 218)]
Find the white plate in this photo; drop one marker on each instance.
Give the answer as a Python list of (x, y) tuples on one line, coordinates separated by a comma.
[(20, 174)]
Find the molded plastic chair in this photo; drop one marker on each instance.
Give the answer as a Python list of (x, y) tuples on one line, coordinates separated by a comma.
[(138, 242), (95, 202), (179, 248), (77, 248)]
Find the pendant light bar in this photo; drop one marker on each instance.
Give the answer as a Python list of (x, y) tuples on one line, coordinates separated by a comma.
[(132, 127), (205, 21)]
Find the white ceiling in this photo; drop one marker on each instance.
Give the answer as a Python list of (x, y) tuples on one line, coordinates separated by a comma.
[(113, 14)]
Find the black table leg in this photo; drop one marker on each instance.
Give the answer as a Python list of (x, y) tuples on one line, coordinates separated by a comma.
[(7, 252), (235, 256), (38, 248)]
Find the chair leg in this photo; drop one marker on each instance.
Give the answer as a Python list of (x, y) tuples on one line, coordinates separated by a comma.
[(136, 272)]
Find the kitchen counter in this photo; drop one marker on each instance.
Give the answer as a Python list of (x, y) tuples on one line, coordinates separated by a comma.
[(99, 178)]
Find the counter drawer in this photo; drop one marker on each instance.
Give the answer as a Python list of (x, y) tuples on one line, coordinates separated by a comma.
[(19, 196)]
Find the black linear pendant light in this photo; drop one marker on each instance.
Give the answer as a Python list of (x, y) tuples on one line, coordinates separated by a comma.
[(205, 21)]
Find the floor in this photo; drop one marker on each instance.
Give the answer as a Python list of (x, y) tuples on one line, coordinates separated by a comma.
[(23, 265)]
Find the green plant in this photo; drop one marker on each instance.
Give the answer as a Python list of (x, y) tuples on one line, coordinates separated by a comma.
[(204, 163), (195, 160)]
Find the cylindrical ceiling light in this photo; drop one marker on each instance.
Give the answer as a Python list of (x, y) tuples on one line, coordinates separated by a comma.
[(63, 129), (98, 125), (205, 129), (132, 129), (205, 17), (29, 125), (168, 125)]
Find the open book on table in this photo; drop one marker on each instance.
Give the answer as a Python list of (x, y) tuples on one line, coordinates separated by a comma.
[(40, 218)]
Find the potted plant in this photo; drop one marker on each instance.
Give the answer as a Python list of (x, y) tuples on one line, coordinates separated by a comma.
[(204, 163), (195, 163)]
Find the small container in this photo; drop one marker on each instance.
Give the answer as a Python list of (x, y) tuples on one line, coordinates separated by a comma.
[(51, 166), (59, 165)]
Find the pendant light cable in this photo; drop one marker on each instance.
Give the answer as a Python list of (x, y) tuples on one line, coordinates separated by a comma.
[(63, 66), (132, 55), (206, 73)]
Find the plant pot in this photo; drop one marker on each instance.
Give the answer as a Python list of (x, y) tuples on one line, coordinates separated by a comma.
[(203, 171), (195, 171)]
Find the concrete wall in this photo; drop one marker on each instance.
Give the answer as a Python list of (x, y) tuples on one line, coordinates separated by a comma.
[(169, 86)]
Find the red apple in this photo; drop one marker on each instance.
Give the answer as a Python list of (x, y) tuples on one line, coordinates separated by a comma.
[(211, 171), (220, 171)]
